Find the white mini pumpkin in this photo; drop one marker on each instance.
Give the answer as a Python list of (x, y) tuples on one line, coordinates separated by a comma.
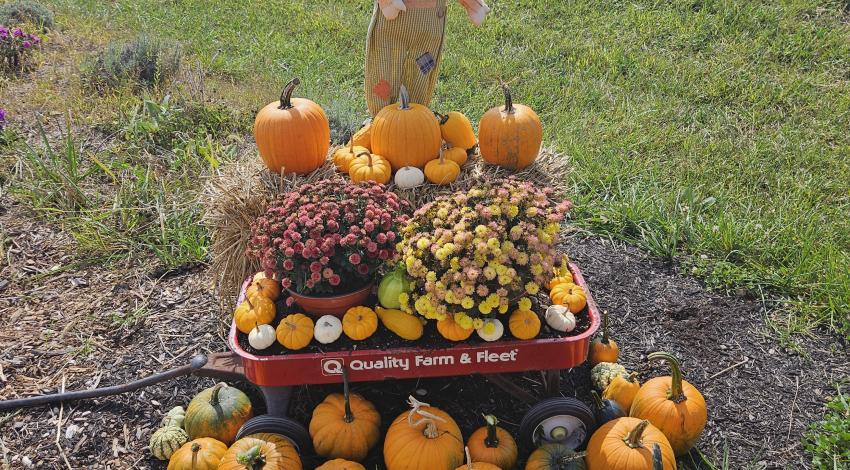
[(560, 318), (491, 330), (409, 177), (328, 329), (261, 337)]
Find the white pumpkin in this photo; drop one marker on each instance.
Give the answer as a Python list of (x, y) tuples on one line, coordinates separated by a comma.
[(491, 330), (328, 329), (261, 337), (409, 177), (560, 318)]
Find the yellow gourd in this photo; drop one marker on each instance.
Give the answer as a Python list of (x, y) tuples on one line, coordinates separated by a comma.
[(295, 331), (622, 391), (403, 324), (363, 137), (457, 130)]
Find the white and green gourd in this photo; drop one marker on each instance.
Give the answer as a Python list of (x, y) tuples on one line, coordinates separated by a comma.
[(174, 417), (166, 440)]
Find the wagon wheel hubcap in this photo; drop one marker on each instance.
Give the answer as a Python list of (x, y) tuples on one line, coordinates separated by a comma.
[(563, 429)]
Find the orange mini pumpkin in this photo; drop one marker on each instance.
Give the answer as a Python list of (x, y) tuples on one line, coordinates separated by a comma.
[(263, 451), (370, 167), (510, 136), (293, 134), (203, 453), (254, 310), (295, 331), (672, 405), (569, 295), (492, 444), (457, 155), (264, 286), (451, 330), (477, 465), (524, 324), (627, 444), (343, 156), (442, 170), (359, 323), (406, 134), (424, 438), (604, 349)]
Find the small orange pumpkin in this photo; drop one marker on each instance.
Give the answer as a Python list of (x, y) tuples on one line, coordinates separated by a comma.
[(293, 134), (622, 391), (370, 167), (254, 310), (604, 349), (406, 134), (295, 331), (265, 287), (566, 279), (263, 451), (203, 453), (343, 156), (340, 464), (345, 426), (569, 295), (451, 330), (442, 171), (424, 438), (626, 444), (510, 136), (359, 323), (524, 324), (672, 405), (492, 444), (457, 155)]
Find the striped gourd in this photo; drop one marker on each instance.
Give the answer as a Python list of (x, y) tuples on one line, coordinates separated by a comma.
[(166, 440)]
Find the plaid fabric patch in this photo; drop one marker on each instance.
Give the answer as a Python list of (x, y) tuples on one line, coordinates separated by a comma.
[(426, 63)]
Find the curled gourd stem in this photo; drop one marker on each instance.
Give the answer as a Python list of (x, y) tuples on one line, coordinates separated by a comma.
[(567, 459), (634, 439), (346, 395), (509, 101), (676, 392), (215, 392), (404, 98), (368, 155), (425, 417), (195, 448), (286, 94), (492, 439)]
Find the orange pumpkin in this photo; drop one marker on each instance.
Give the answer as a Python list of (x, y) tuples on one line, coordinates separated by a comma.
[(254, 310), (203, 453), (524, 324), (475, 465), (457, 155), (265, 287), (569, 295), (672, 405), (293, 134), (370, 167), (424, 438), (555, 456), (359, 323), (622, 391), (492, 444), (442, 171), (510, 136), (407, 134), (295, 331), (451, 330), (345, 425), (626, 444), (340, 464), (343, 156), (264, 451), (565, 279), (604, 349), (217, 412)]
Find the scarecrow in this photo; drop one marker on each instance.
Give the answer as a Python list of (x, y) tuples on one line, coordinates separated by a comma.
[(404, 47)]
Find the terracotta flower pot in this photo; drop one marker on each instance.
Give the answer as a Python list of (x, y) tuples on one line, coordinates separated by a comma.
[(335, 305)]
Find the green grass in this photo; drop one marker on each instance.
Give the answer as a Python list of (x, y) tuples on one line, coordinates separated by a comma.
[(709, 128), (829, 440)]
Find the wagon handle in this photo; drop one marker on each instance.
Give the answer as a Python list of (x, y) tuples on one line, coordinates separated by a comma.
[(194, 365)]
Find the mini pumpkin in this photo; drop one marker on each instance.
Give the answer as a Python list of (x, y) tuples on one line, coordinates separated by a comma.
[(510, 136), (424, 438), (261, 337), (204, 453), (569, 295), (370, 167), (623, 391), (359, 323), (166, 440), (451, 330), (345, 426), (492, 444), (409, 177), (264, 286), (559, 318), (328, 329), (442, 171), (456, 129), (254, 310), (604, 349), (261, 452), (406, 134), (343, 156), (555, 457), (626, 444), (457, 155), (524, 324), (293, 135), (295, 331), (672, 405), (217, 412), (340, 464), (566, 279)]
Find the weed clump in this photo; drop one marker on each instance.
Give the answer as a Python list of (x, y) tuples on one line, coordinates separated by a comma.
[(143, 62), (27, 12)]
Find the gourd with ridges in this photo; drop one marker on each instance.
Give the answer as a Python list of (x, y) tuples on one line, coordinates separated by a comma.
[(370, 167), (166, 440), (442, 171), (204, 453), (476, 465), (174, 417), (254, 310), (261, 452), (217, 412), (524, 324), (603, 373), (403, 324), (340, 464), (451, 330), (295, 331)]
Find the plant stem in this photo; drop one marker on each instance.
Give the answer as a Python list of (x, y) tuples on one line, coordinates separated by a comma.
[(346, 394), (404, 98), (605, 326), (597, 400), (195, 448), (492, 439), (286, 94), (215, 392), (509, 101), (676, 392), (633, 440)]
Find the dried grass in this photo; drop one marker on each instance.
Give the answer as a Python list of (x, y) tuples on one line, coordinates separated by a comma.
[(241, 192)]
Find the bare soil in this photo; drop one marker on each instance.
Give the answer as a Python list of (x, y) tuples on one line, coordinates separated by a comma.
[(66, 321)]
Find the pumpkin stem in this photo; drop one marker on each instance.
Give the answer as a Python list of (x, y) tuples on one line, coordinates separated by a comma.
[(566, 460), (676, 392), (597, 400), (442, 156), (492, 439), (248, 299), (509, 101), (657, 461), (431, 431), (605, 339), (634, 439), (404, 98), (195, 448), (443, 118), (252, 459), (346, 394), (368, 155), (286, 94), (215, 392), (468, 458)]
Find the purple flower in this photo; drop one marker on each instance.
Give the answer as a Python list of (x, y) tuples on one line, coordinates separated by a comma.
[(26, 44), (18, 32)]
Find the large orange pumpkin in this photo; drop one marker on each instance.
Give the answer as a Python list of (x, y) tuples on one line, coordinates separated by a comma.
[(293, 134), (492, 444), (217, 412), (407, 134), (627, 444), (263, 451), (510, 136), (672, 405), (425, 438), (345, 426)]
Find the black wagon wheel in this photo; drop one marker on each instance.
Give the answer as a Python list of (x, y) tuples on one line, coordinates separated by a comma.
[(567, 421), (286, 427)]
